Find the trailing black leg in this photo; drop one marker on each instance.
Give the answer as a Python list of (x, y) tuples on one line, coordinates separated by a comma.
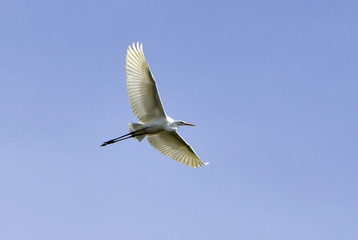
[(124, 137)]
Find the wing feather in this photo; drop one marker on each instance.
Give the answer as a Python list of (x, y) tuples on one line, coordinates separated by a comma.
[(173, 145), (142, 88)]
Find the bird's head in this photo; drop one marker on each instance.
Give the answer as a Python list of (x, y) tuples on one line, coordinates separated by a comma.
[(182, 123)]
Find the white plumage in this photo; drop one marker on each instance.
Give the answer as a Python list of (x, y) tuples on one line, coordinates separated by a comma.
[(154, 123)]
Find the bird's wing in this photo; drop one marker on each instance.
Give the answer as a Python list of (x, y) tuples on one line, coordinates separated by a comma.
[(173, 145), (142, 88)]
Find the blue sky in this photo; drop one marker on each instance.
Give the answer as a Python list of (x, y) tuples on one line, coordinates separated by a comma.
[(271, 85)]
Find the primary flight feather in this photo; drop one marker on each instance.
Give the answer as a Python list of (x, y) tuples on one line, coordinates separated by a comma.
[(154, 123)]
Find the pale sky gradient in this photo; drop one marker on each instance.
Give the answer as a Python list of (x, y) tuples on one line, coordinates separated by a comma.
[(271, 85)]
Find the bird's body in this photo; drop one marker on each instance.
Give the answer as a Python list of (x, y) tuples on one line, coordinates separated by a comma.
[(154, 123), (160, 124)]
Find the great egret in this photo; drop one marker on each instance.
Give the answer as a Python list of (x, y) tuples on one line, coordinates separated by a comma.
[(154, 123)]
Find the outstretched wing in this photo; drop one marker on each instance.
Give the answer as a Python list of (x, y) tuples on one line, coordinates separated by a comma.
[(142, 88), (173, 145)]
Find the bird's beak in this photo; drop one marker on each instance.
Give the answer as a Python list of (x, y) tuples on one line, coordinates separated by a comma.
[(189, 124)]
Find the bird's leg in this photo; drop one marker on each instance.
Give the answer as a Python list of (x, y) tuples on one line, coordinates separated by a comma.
[(124, 137)]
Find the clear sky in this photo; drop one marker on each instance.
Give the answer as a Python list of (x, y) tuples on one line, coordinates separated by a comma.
[(271, 85)]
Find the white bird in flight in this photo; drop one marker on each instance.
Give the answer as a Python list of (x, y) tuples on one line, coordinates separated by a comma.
[(154, 123)]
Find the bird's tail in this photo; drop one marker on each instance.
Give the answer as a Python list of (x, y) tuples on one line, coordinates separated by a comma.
[(136, 127)]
